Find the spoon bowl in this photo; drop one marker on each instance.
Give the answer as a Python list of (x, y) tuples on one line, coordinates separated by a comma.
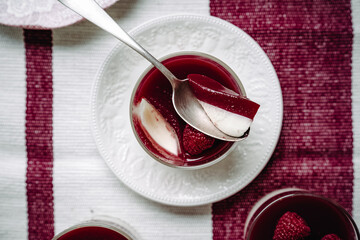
[(184, 101), (190, 110)]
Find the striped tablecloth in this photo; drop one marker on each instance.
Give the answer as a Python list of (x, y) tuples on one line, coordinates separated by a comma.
[(52, 176)]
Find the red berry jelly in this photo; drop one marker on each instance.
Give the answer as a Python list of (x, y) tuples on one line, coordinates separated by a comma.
[(157, 91), (317, 217), (92, 233)]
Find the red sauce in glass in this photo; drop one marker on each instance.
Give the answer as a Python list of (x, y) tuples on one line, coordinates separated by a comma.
[(157, 90), (323, 217), (92, 233)]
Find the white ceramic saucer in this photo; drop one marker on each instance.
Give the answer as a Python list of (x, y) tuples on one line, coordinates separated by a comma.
[(40, 14), (111, 122)]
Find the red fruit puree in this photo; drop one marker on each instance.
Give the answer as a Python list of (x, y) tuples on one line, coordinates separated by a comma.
[(92, 233), (323, 217), (156, 89)]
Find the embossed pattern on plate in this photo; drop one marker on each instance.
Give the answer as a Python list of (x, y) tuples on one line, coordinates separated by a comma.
[(111, 122), (40, 14)]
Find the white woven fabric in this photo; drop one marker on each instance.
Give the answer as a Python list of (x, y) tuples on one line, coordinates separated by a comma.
[(83, 184), (13, 206)]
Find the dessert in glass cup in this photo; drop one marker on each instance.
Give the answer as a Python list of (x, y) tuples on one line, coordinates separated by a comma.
[(168, 138), (100, 227), (297, 214)]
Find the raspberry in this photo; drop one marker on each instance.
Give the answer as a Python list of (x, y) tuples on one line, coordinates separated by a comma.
[(331, 237), (196, 142), (291, 227)]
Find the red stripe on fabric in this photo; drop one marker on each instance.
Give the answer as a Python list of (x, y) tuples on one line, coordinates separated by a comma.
[(309, 43), (39, 145)]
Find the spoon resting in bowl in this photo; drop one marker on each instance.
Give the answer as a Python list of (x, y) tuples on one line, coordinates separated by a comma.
[(183, 99)]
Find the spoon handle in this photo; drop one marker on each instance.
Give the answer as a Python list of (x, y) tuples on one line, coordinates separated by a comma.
[(90, 10)]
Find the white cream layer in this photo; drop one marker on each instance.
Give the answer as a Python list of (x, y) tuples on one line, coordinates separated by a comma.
[(230, 123), (157, 127)]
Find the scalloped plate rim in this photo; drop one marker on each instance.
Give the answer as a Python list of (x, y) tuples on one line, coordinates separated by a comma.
[(220, 195)]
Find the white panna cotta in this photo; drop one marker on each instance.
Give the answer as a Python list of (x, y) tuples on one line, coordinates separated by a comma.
[(156, 128), (229, 123), (230, 112)]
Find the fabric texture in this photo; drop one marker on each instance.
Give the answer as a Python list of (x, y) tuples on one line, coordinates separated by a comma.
[(53, 177), (310, 46), (39, 186)]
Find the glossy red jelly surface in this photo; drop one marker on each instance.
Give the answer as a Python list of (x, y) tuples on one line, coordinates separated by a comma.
[(212, 92), (92, 233), (155, 88), (323, 217)]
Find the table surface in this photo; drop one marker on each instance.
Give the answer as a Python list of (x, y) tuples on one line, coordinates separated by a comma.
[(52, 175)]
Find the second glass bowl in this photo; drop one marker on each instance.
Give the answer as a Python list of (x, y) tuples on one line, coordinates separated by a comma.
[(322, 215)]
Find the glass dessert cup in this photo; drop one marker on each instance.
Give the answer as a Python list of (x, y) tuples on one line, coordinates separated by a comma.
[(156, 89), (323, 216), (102, 227)]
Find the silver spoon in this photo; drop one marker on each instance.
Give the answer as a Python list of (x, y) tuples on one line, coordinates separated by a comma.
[(184, 101)]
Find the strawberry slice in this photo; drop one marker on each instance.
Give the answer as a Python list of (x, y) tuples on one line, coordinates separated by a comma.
[(196, 142), (291, 227), (229, 111), (331, 237)]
